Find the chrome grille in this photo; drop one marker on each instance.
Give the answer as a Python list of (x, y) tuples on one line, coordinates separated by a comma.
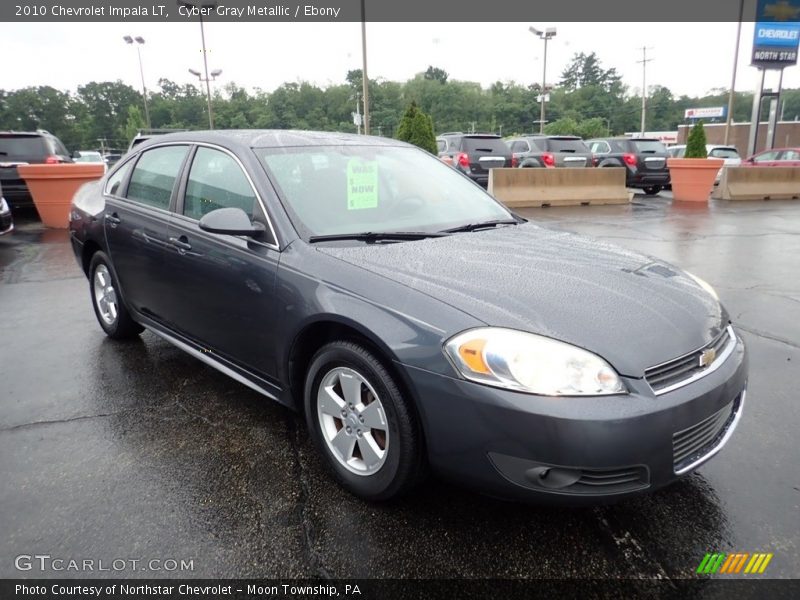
[(694, 442), (679, 371)]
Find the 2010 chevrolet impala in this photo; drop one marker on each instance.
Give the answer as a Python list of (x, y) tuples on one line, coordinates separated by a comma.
[(410, 317)]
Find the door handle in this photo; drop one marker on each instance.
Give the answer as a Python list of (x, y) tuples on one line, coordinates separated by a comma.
[(113, 219), (181, 243)]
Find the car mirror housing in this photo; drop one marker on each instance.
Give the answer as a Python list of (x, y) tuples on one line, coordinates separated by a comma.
[(230, 221)]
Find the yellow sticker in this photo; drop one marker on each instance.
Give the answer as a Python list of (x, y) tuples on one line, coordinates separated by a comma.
[(362, 184)]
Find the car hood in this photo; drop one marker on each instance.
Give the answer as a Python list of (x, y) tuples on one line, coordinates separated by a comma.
[(633, 310)]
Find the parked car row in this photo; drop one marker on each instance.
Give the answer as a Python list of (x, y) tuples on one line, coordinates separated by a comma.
[(644, 160)]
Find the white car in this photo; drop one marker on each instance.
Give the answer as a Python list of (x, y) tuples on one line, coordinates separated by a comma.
[(90, 156), (728, 153)]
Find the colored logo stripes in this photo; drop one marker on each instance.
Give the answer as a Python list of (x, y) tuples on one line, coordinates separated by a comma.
[(734, 563)]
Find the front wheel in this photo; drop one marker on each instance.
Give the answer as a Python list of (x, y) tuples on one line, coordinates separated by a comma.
[(358, 418), (107, 302), (652, 190)]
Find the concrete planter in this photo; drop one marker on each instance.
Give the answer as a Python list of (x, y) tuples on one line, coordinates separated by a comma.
[(693, 178), (52, 188)]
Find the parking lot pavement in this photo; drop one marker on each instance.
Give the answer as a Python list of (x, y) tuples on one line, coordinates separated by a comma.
[(136, 450)]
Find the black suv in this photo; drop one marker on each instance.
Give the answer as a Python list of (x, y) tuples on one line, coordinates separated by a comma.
[(474, 154), (644, 159), (22, 148), (548, 151)]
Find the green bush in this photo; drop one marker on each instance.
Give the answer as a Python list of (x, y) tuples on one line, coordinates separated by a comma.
[(696, 146), (417, 128)]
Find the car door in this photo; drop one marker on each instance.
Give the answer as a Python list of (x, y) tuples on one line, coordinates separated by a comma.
[(789, 158), (222, 286), (136, 218), (768, 158)]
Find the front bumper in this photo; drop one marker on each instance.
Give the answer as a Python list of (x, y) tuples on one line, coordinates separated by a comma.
[(576, 449)]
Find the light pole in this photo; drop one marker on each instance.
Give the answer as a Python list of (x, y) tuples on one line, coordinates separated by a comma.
[(139, 43), (731, 92), (214, 74), (364, 77), (203, 7), (644, 62), (545, 35)]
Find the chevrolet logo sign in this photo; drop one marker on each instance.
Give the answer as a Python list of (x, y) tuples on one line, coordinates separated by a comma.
[(781, 11), (707, 357)]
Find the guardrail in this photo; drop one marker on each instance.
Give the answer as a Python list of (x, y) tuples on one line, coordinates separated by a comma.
[(520, 188), (758, 183)]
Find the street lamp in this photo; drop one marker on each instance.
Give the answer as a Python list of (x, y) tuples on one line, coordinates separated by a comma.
[(139, 43), (207, 80), (203, 6), (545, 35)]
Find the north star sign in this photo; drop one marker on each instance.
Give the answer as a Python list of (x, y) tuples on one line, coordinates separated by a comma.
[(777, 34)]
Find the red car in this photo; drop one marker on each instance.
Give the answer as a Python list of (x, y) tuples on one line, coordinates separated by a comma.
[(777, 157)]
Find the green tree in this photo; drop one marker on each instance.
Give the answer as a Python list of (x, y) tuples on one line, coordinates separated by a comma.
[(135, 122), (436, 74), (696, 145), (417, 128), (565, 126)]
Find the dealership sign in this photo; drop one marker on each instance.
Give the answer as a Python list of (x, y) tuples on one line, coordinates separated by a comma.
[(777, 33), (709, 112)]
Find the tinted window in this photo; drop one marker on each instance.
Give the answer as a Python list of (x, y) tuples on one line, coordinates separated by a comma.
[(519, 146), (723, 153), (21, 146), (216, 181), (566, 145), (649, 146), (154, 175), (441, 145), (112, 186), (486, 145), (58, 147), (677, 152), (600, 147)]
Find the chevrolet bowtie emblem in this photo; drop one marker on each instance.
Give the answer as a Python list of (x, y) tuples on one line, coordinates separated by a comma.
[(781, 11), (708, 357)]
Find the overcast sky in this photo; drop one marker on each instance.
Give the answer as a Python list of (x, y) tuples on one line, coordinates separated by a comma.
[(688, 58)]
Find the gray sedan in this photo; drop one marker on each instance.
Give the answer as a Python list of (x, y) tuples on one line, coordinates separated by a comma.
[(413, 320)]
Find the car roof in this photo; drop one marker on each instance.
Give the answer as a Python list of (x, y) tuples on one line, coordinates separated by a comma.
[(272, 138)]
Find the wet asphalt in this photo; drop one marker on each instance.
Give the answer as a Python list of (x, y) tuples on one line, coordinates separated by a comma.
[(136, 450)]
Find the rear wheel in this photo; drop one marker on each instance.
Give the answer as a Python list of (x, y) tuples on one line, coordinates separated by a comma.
[(109, 308), (652, 190), (360, 421)]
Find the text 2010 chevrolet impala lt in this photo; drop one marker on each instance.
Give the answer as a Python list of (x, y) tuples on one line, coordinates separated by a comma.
[(413, 319)]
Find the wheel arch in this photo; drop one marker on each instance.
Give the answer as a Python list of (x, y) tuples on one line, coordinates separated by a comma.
[(90, 248)]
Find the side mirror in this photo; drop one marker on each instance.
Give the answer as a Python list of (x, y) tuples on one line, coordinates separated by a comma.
[(230, 221), (76, 154)]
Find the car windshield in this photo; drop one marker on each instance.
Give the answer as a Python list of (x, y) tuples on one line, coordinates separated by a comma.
[(649, 146), (333, 190), (21, 146), (566, 145), (723, 153)]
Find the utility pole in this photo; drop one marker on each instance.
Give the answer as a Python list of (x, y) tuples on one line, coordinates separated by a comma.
[(644, 62), (729, 116), (546, 35)]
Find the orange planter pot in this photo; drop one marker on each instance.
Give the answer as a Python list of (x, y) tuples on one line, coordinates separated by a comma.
[(693, 178), (53, 186)]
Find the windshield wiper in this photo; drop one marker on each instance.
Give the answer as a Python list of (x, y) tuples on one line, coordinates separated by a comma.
[(482, 225), (377, 236)]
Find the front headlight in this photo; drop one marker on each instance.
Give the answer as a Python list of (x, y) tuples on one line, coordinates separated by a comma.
[(531, 363), (704, 284)]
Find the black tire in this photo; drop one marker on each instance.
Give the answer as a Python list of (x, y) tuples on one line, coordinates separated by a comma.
[(651, 190), (122, 326), (404, 463)]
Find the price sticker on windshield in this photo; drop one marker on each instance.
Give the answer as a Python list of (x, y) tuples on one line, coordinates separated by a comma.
[(362, 184)]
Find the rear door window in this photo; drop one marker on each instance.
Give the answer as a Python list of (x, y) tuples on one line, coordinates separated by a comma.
[(790, 155), (154, 175)]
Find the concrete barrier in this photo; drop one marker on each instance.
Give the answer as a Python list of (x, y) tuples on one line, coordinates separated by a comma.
[(758, 183), (519, 188)]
